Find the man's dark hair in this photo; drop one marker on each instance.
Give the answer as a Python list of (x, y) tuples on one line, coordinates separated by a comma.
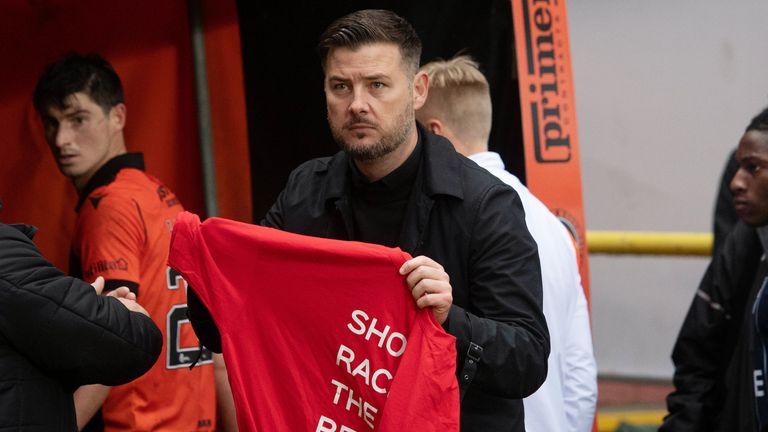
[(759, 122), (78, 73), (372, 26)]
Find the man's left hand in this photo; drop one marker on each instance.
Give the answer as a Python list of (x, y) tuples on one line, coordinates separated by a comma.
[(430, 285)]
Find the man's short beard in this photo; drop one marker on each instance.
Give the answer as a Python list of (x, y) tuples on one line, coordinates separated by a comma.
[(388, 143)]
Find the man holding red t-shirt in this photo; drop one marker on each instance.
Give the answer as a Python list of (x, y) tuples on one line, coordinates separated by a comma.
[(395, 184)]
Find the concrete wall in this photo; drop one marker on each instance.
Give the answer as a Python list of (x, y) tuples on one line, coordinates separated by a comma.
[(664, 91)]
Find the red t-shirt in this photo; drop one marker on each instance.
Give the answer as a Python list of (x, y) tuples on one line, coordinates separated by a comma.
[(314, 331), (123, 232)]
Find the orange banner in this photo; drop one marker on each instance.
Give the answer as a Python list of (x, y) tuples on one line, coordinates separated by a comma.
[(548, 110)]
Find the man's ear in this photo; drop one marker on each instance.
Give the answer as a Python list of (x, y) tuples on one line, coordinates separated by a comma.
[(117, 116), (435, 126), (420, 89)]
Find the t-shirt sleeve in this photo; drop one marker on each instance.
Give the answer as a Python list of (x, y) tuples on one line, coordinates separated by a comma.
[(110, 240), (183, 254), (184, 257)]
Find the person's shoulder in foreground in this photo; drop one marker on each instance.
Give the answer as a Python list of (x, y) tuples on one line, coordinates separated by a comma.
[(56, 334)]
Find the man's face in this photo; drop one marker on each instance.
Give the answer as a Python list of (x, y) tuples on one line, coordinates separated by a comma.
[(82, 137), (750, 184), (370, 99)]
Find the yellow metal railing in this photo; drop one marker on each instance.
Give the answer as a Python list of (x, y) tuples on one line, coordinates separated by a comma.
[(610, 420), (649, 243)]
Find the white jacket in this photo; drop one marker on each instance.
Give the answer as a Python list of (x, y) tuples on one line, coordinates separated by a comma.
[(566, 401)]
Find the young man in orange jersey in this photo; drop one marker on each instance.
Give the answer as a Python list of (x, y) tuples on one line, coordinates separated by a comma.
[(124, 221)]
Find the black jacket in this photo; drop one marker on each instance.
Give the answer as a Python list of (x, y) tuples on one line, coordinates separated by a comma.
[(712, 355), (56, 334), (474, 226)]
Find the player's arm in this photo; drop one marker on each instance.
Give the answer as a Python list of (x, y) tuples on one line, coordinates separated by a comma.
[(225, 403), (109, 242), (88, 399)]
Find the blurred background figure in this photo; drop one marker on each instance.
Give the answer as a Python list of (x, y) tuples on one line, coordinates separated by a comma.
[(720, 353), (458, 107)]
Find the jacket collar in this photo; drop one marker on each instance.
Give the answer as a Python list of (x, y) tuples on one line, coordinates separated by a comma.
[(338, 170), (107, 173), (442, 166), (27, 230), (441, 169)]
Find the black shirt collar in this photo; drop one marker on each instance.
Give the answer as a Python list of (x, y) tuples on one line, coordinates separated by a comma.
[(400, 179), (27, 230), (441, 169), (379, 207), (107, 173)]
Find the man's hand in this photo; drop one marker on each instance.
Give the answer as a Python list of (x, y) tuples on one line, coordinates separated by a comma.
[(430, 285), (123, 294), (130, 304), (98, 285)]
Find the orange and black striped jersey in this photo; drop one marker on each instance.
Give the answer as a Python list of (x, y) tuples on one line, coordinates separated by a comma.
[(123, 233)]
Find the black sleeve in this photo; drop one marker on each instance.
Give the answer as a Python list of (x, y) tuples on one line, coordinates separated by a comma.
[(506, 319), (274, 217), (706, 339), (699, 363), (62, 326), (113, 284), (202, 322), (290, 204)]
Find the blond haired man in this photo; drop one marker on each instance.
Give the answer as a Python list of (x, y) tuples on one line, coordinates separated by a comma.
[(459, 108)]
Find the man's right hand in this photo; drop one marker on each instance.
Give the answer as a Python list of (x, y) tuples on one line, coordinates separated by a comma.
[(123, 294), (430, 285)]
